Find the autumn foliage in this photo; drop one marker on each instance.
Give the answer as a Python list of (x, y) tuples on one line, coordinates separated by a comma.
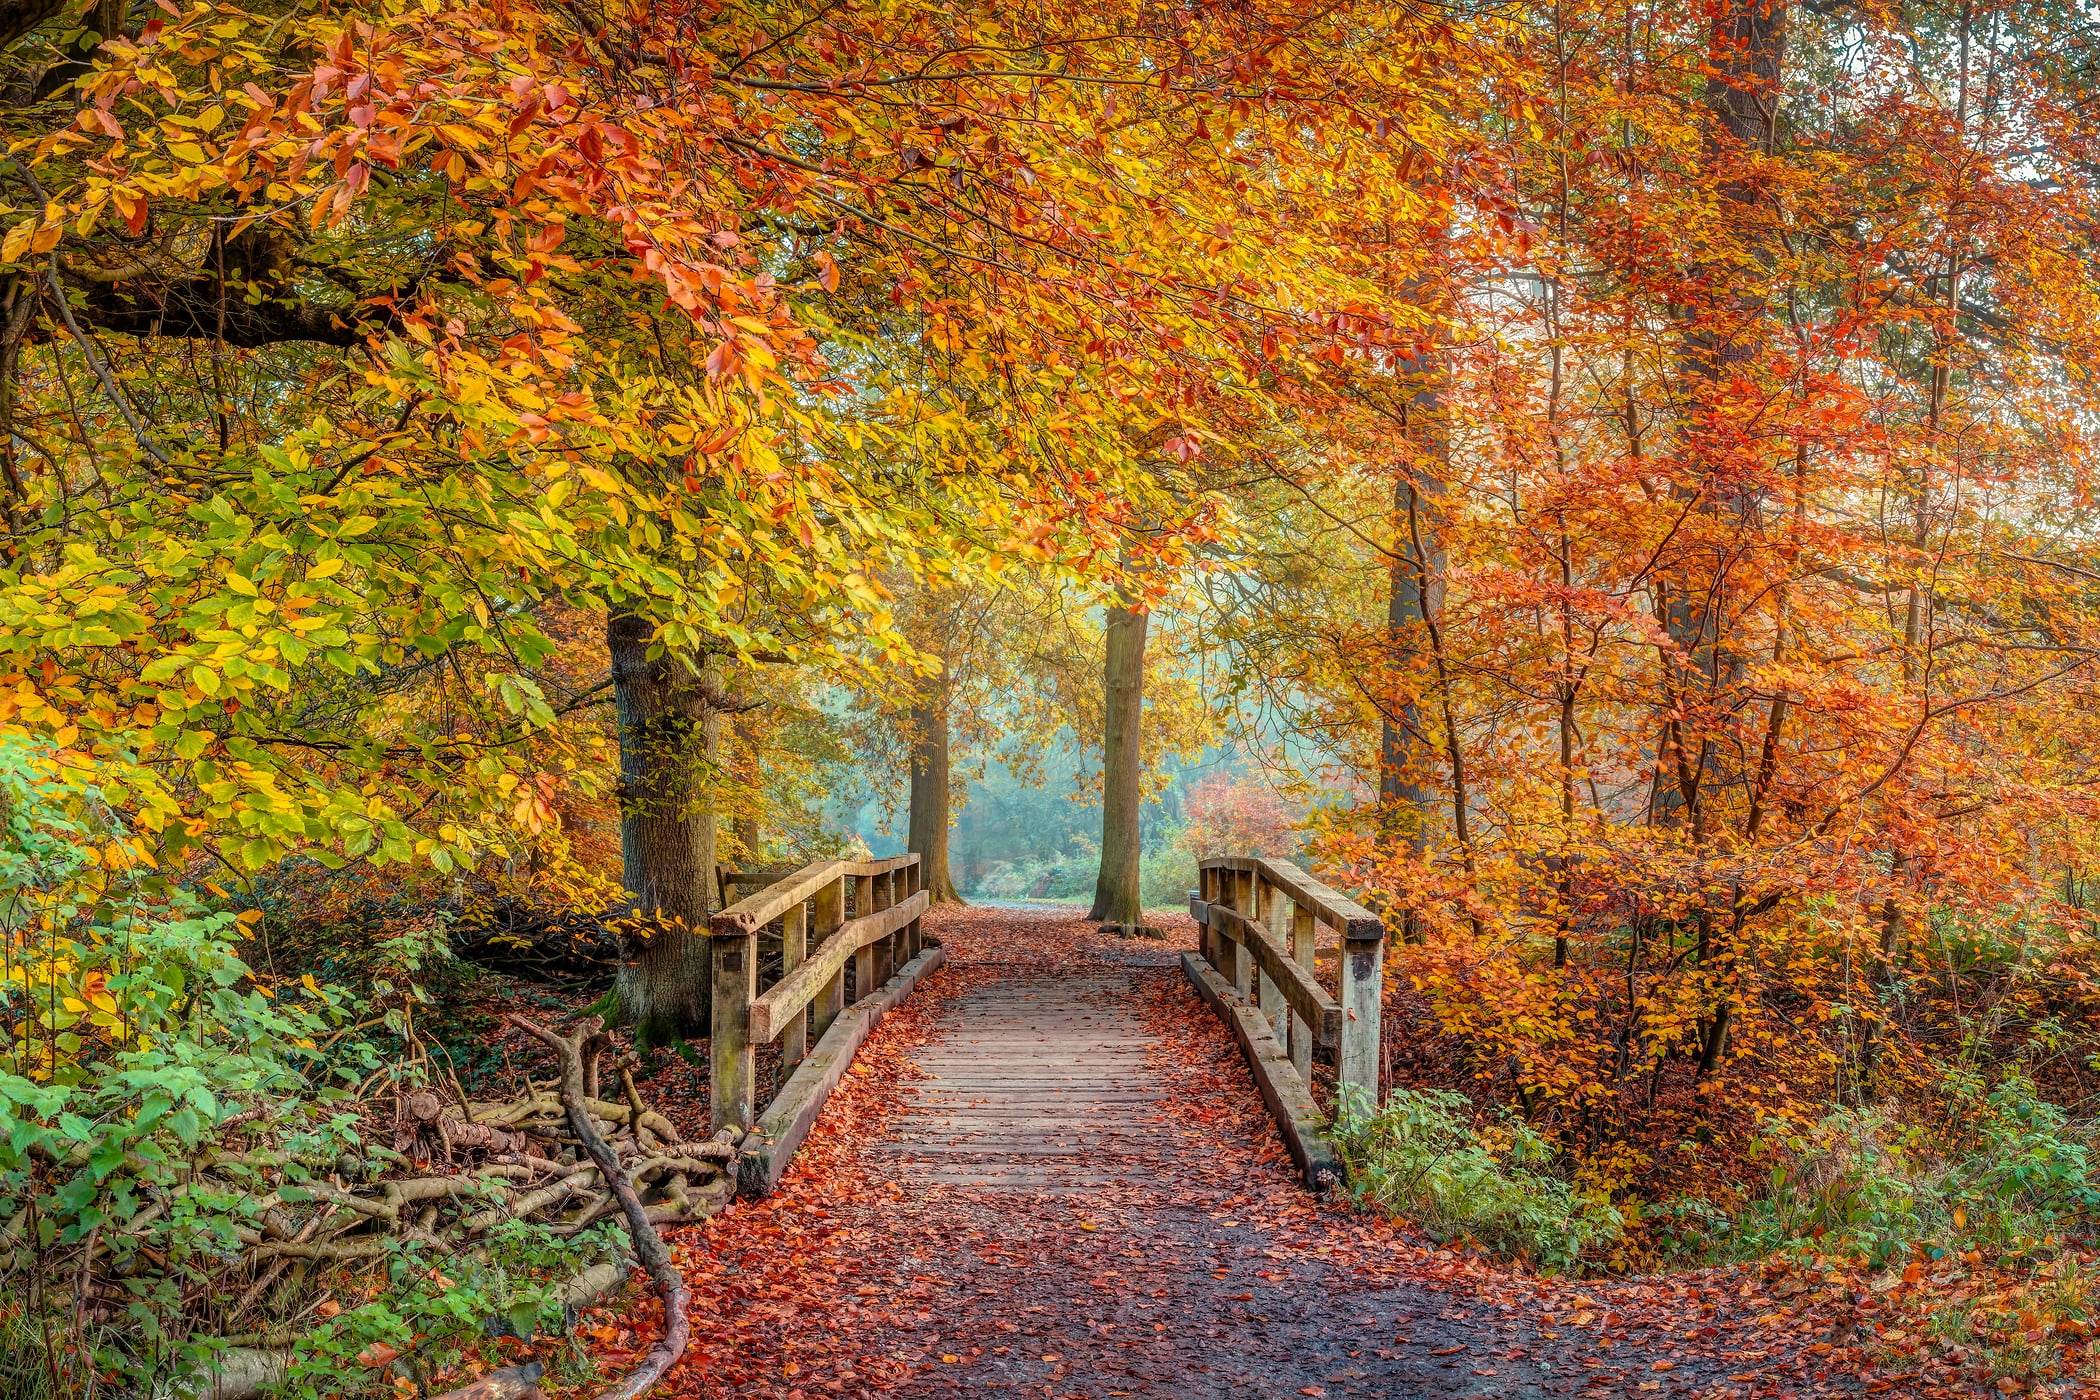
[(1627, 470)]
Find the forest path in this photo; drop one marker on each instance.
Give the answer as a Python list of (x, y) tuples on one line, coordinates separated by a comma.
[(1048, 1173)]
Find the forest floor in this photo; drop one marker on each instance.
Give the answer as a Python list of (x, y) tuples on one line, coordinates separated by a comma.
[(1183, 1261)]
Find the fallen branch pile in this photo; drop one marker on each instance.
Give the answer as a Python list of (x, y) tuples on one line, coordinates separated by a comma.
[(560, 1157)]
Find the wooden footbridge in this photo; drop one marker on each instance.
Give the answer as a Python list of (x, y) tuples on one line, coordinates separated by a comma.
[(1041, 1084), (1055, 1181)]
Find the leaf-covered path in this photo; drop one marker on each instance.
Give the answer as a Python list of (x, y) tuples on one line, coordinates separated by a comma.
[(1048, 1173)]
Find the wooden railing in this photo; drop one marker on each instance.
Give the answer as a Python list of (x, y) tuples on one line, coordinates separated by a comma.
[(831, 916), (1258, 922), (734, 883)]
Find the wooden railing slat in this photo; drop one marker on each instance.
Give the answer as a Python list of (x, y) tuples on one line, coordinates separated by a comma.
[(1329, 906), (771, 1013), (755, 912), (1304, 995)]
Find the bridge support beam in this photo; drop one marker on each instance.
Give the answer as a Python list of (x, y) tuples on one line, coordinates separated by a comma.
[(863, 960), (794, 946)]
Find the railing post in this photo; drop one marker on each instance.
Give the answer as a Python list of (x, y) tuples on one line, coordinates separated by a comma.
[(1228, 952), (1363, 993), (794, 946), (863, 960), (828, 909), (1275, 917), (729, 1037), (885, 949), (1245, 894), (1302, 953), (914, 882), (1207, 891)]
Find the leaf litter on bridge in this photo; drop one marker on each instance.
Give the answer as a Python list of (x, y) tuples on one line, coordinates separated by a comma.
[(1210, 1273)]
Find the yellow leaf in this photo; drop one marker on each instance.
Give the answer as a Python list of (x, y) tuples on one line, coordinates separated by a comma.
[(240, 585), (17, 241), (95, 987), (327, 568)]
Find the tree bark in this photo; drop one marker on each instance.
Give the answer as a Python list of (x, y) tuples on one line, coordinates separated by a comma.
[(1748, 41), (1116, 897), (668, 737), (1405, 799), (1413, 574), (930, 818)]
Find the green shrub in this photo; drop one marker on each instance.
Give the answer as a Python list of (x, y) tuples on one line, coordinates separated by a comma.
[(1860, 1183), (1420, 1157), (132, 1038)]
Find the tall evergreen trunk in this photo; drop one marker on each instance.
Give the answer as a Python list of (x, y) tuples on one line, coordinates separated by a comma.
[(1116, 897), (928, 828), (669, 735)]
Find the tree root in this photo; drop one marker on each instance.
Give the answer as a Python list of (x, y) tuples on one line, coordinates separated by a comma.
[(648, 1245), (469, 1170)]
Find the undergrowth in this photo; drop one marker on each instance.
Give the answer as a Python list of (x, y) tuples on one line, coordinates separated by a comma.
[(2004, 1179), (2004, 1175), (1421, 1157)]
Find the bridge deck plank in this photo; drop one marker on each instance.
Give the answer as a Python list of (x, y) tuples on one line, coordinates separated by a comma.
[(1033, 1084)]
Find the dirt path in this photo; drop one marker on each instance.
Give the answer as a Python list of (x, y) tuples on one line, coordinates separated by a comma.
[(1048, 1174)]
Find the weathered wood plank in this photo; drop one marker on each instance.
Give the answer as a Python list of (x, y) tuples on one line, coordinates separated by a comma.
[(768, 1147), (794, 947), (1363, 989), (771, 1013), (1329, 905), (729, 1055), (754, 913), (1302, 950), (1290, 1102), (1301, 991)]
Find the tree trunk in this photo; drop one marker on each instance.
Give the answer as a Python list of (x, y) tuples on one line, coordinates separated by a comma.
[(668, 737), (1406, 798), (1405, 752), (1748, 42), (1116, 898), (744, 835), (928, 831)]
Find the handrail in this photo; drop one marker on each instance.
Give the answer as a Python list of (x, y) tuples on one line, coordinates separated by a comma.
[(810, 997), (1321, 1013), (754, 912), (1330, 907), (1265, 959), (771, 1013)]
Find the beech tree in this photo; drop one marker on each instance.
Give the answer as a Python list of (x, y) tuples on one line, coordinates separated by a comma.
[(931, 785), (1116, 891)]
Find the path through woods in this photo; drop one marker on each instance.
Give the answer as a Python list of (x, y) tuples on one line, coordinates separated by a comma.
[(1048, 1173)]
